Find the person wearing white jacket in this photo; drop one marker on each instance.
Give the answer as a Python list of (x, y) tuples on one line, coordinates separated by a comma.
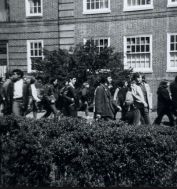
[(143, 97)]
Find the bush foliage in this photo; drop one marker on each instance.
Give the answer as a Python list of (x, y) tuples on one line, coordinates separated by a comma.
[(71, 152), (85, 63)]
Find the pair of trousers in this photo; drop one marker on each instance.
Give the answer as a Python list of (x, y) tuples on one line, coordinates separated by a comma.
[(144, 111), (133, 117), (17, 107), (161, 113)]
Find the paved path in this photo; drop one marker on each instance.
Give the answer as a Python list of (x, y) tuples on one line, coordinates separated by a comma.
[(90, 118)]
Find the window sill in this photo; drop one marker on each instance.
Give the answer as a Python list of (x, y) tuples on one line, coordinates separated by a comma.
[(97, 11), (171, 70), (34, 16), (172, 5), (145, 70), (139, 8)]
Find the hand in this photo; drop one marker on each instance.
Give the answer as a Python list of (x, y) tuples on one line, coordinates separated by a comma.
[(145, 104), (120, 109), (98, 116)]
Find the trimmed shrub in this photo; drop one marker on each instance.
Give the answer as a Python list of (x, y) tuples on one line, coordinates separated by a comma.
[(72, 152)]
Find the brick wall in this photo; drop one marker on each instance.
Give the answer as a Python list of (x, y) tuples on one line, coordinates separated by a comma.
[(117, 24), (64, 24)]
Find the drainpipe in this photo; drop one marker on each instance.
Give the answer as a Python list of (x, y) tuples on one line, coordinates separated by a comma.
[(58, 24)]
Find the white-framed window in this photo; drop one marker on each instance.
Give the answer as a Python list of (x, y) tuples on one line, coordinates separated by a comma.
[(100, 42), (34, 52), (138, 53), (172, 3), (172, 52), (34, 8), (135, 5), (96, 6)]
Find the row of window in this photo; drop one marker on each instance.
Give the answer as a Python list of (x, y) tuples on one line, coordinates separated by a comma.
[(137, 51), (35, 7)]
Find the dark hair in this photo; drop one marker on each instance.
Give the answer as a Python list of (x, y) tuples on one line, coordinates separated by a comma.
[(39, 78), (136, 75), (163, 82), (32, 80), (144, 78), (19, 72), (103, 79), (8, 75)]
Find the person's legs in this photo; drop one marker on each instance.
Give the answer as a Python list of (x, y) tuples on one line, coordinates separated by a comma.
[(47, 108), (48, 112), (136, 117), (145, 115), (16, 108), (171, 118), (86, 109), (159, 117)]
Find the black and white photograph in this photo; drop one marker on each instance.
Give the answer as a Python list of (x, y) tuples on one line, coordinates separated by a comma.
[(88, 93)]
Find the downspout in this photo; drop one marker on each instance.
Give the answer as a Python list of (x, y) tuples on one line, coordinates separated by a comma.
[(58, 24)]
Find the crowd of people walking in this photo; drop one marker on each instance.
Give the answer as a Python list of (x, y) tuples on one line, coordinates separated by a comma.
[(20, 95)]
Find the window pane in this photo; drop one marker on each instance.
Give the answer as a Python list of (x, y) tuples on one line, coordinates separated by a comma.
[(147, 48), (172, 38), (142, 48), (138, 48), (101, 41), (39, 9), (133, 48), (172, 47), (106, 3)]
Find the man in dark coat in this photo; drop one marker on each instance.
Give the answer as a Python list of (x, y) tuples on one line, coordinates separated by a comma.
[(70, 99), (16, 94), (173, 90), (104, 105), (164, 103)]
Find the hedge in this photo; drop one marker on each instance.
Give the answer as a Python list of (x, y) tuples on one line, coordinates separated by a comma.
[(71, 152)]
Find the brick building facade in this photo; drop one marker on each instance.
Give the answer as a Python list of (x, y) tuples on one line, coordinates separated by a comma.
[(144, 30)]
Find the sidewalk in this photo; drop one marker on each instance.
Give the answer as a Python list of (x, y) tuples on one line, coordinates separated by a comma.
[(90, 117)]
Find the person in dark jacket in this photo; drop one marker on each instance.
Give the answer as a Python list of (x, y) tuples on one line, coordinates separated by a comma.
[(164, 103), (16, 94), (104, 105), (70, 99), (49, 100), (173, 90)]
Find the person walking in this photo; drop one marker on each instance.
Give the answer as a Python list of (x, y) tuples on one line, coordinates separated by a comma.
[(120, 99), (70, 99), (132, 113), (17, 94), (49, 100), (105, 108), (142, 97), (84, 97), (173, 90), (33, 97), (164, 103)]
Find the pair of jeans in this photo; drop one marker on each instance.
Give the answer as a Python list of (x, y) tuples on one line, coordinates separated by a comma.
[(144, 111), (161, 113), (17, 107)]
